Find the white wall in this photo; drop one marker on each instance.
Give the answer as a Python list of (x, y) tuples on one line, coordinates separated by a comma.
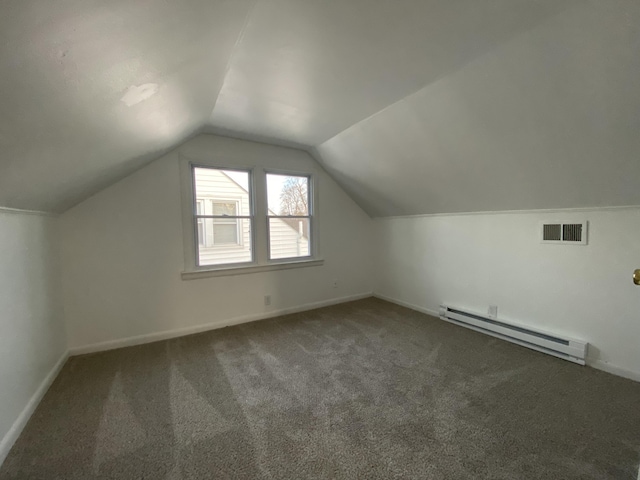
[(32, 332), (122, 253), (477, 260)]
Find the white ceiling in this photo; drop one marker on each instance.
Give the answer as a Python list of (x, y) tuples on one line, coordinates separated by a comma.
[(306, 70), (549, 119), (66, 64), (413, 106)]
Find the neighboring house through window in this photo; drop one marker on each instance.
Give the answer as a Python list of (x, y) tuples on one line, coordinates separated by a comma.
[(225, 230), (220, 216), (223, 216)]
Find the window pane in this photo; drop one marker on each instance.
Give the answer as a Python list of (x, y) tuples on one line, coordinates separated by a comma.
[(213, 186), (223, 193), (287, 195), (221, 243), (288, 237)]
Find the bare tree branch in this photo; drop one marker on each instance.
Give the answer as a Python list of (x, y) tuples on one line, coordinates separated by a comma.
[(294, 197)]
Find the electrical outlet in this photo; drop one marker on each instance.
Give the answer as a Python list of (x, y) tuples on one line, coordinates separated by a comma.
[(334, 284), (493, 311), (267, 299)]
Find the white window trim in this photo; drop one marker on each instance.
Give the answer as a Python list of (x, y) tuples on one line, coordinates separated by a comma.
[(243, 270), (259, 231)]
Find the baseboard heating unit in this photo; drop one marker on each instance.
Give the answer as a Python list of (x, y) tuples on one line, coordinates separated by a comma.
[(562, 347)]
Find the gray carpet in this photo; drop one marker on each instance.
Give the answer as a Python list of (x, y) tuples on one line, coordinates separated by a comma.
[(361, 390)]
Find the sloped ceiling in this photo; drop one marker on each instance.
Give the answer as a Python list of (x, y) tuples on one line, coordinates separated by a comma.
[(549, 119), (418, 106), (65, 65)]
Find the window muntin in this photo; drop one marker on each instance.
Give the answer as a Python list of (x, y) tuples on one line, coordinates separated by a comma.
[(289, 220), (223, 216)]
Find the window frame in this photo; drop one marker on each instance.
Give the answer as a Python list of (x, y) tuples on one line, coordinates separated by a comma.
[(194, 219), (258, 205), (309, 216)]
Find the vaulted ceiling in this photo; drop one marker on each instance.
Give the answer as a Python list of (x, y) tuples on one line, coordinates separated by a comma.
[(414, 106)]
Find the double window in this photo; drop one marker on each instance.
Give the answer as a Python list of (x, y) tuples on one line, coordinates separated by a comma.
[(226, 212)]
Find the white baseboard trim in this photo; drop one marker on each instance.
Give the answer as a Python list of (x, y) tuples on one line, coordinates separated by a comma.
[(597, 364), (17, 427), (418, 308), (181, 332), (614, 369)]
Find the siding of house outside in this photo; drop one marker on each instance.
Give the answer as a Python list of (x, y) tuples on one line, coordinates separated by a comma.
[(214, 186)]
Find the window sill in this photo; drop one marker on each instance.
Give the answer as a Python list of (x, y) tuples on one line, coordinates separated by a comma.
[(221, 272)]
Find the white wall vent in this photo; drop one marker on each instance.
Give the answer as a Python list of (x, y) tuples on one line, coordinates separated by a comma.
[(563, 233)]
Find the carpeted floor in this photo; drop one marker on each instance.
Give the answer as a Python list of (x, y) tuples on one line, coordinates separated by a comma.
[(360, 390)]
